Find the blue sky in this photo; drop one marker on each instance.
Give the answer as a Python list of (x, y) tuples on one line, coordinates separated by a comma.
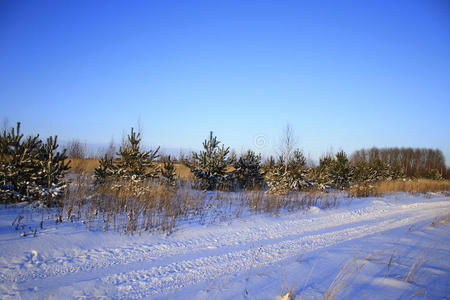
[(345, 74)]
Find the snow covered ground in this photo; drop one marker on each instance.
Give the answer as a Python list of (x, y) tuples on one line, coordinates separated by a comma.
[(394, 247)]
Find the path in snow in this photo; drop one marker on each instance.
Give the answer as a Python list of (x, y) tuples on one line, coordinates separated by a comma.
[(197, 254)]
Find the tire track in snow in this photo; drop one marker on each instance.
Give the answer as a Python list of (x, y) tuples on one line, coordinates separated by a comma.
[(160, 280), (192, 261)]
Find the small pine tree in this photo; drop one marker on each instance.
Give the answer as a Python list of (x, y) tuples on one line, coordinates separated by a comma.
[(277, 181), (168, 172), (209, 165), (277, 178), (29, 169), (247, 171), (322, 174), (433, 174), (52, 167), (379, 170), (341, 171), (105, 170), (297, 171), (361, 172), (268, 164), (396, 172), (133, 163)]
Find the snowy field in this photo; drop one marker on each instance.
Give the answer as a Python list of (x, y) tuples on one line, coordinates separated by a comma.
[(394, 247)]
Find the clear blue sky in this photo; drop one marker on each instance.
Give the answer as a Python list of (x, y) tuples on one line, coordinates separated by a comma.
[(344, 74)]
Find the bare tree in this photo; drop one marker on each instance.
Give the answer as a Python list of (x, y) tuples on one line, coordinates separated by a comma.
[(76, 149), (288, 142)]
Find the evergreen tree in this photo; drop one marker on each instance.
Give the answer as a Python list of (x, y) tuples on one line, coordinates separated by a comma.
[(268, 164), (247, 171), (209, 165), (52, 165), (321, 175), (341, 171), (105, 170), (379, 170), (133, 163), (362, 172), (297, 171), (29, 169), (290, 176), (396, 172), (168, 172), (277, 179), (433, 174)]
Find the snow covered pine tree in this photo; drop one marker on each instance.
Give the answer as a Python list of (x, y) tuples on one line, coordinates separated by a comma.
[(247, 173), (31, 170), (209, 165), (133, 163)]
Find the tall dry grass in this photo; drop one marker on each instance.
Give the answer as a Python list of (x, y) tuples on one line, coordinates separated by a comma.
[(135, 207), (88, 165), (83, 165), (410, 186)]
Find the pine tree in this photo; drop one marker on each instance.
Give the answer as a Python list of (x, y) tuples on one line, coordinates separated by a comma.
[(209, 165), (277, 178), (269, 163), (29, 169), (396, 172), (321, 175), (297, 171), (247, 171), (133, 163), (341, 171), (105, 170), (52, 169), (433, 174), (168, 172), (277, 181), (362, 172), (379, 170)]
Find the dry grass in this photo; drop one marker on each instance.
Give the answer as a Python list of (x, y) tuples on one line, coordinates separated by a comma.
[(83, 165), (135, 207), (410, 186), (346, 276), (87, 165), (183, 172)]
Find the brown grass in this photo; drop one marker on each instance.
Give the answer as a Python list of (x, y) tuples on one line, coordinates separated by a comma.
[(87, 165), (346, 275), (83, 165), (134, 207), (410, 186), (413, 186)]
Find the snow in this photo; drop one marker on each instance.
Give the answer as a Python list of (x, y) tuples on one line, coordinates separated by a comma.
[(372, 245)]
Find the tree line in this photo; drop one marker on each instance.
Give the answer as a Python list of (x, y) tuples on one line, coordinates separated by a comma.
[(32, 169), (415, 162)]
